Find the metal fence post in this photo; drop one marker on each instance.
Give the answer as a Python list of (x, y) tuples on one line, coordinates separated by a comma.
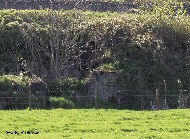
[(157, 100)]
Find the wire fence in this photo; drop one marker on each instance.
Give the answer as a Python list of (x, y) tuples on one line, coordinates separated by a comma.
[(21, 100), (120, 99)]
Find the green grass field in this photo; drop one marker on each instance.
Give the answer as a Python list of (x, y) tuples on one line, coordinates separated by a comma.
[(93, 124)]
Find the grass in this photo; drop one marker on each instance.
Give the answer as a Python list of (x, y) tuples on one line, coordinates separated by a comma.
[(93, 124)]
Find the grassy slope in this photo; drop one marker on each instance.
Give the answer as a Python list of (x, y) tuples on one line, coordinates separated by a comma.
[(93, 124)]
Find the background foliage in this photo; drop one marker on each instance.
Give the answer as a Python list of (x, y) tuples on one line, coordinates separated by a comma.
[(61, 45)]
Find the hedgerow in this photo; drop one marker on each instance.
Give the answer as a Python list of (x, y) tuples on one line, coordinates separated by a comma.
[(56, 45)]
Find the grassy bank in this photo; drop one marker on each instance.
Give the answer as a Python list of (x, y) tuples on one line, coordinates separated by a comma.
[(93, 124)]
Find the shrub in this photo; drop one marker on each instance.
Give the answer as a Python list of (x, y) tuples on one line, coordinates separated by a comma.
[(63, 87), (60, 102), (107, 67), (14, 90), (146, 48)]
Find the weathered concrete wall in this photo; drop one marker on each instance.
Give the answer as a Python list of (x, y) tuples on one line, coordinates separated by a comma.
[(104, 83)]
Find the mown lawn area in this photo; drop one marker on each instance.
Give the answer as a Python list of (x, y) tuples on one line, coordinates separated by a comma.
[(93, 124)]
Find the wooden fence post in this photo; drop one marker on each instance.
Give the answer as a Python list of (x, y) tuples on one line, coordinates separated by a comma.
[(157, 100), (44, 99), (95, 99), (29, 97), (182, 99)]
